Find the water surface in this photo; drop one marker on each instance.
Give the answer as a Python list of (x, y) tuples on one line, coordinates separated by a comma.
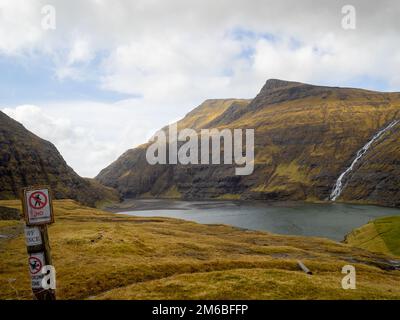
[(331, 220)]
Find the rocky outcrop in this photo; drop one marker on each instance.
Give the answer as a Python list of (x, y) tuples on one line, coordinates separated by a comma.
[(305, 136)]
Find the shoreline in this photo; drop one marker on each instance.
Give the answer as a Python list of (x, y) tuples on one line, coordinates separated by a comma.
[(146, 204)]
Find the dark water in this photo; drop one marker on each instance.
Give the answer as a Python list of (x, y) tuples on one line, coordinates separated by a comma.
[(332, 221)]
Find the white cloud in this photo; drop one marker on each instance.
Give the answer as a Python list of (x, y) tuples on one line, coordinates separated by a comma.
[(150, 40), (73, 65), (19, 26), (80, 52), (164, 69), (59, 129)]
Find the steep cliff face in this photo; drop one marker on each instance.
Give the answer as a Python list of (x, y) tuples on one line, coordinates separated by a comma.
[(26, 160), (377, 177), (305, 136)]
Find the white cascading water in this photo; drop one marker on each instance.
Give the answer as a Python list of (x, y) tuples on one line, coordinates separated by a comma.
[(337, 190)]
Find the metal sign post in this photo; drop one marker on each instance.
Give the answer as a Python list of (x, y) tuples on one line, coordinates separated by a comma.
[(38, 212)]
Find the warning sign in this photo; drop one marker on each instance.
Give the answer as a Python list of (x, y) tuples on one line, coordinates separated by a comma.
[(38, 207), (36, 263), (38, 200)]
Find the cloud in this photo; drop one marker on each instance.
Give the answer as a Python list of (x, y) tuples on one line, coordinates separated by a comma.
[(58, 129), (19, 26), (164, 70), (150, 43), (74, 64)]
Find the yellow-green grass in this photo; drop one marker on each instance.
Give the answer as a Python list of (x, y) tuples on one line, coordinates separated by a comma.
[(229, 196), (253, 283), (103, 255), (380, 235)]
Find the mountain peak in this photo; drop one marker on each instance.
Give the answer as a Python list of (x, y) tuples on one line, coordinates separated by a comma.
[(275, 84)]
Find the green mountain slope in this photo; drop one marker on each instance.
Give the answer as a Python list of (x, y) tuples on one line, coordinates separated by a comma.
[(305, 136)]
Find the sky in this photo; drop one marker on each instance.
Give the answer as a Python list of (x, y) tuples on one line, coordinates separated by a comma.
[(98, 77)]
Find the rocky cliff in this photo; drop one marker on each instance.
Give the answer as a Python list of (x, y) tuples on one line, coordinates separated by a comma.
[(26, 159), (305, 136)]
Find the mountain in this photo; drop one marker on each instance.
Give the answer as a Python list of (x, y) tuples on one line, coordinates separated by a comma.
[(305, 137), (26, 160)]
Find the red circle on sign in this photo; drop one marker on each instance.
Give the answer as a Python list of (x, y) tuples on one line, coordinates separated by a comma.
[(35, 265), (37, 200)]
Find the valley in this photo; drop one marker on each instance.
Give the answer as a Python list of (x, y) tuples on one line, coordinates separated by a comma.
[(200, 231)]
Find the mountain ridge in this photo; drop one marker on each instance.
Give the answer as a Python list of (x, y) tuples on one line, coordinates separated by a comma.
[(306, 136)]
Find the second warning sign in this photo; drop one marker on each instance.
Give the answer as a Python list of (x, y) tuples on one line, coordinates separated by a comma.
[(38, 206)]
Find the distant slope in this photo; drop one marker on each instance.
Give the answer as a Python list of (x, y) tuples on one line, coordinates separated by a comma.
[(125, 257), (381, 235), (26, 159), (132, 175), (305, 136), (211, 111)]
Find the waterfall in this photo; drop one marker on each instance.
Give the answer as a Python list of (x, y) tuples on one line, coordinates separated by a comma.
[(337, 190)]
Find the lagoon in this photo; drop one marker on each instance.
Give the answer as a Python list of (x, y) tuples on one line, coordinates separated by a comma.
[(328, 220)]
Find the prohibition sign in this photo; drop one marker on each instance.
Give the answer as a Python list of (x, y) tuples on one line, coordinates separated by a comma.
[(35, 265), (37, 200)]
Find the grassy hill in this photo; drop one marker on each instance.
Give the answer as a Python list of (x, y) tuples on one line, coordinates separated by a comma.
[(305, 137), (99, 255), (380, 235)]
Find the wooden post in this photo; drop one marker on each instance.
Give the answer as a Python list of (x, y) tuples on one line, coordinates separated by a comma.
[(38, 211), (303, 267)]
